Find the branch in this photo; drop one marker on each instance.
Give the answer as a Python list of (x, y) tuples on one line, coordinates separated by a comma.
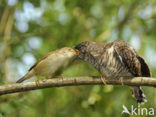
[(74, 81), (128, 15)]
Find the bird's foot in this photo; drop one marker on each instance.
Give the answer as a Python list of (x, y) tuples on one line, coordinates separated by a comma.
[(48, 77), (37, 82), (103, 79), (60, 78), (121, 81)]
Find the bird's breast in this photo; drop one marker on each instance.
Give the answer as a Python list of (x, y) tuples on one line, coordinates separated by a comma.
[(111, 65)]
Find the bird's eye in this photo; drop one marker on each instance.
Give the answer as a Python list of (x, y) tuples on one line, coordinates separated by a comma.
[(79, 47)]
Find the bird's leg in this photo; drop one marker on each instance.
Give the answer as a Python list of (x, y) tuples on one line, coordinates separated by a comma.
[(103, 79), (38, 79), (121, 81), (49, 77), (60, 77)]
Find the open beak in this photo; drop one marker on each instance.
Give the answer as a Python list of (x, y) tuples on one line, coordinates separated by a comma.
[(77, 51)]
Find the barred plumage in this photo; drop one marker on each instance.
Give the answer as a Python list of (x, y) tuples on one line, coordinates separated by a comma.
[(114, 60)]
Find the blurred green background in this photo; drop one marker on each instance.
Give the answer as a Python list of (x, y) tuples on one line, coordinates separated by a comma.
[(31, 28)]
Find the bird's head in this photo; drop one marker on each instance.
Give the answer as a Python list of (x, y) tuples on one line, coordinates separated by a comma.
[(68, 52), (84, 49)]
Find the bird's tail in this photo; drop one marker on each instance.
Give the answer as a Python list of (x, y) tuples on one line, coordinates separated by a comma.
[(138, 94), (25, 77)]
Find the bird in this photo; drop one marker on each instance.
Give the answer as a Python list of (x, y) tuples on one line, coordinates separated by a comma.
[(115, 60), (49, 64)]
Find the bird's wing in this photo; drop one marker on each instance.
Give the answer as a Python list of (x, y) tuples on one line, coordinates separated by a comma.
[(135, 64), (44, 57), (144, 67)]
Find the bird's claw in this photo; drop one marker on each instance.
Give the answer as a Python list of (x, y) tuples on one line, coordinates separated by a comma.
[(103, 80), (121, 81), (60, 78), (37, 82)]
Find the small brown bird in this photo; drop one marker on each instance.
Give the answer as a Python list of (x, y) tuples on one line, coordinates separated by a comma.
[(48, 64), (115, 60)]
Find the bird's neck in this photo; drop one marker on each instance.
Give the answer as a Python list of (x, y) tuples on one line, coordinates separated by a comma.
[(91, 60)]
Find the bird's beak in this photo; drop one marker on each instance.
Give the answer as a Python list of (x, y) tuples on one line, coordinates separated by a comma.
[(77, 51)]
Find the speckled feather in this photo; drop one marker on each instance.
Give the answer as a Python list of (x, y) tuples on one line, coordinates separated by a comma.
[(114, 60), (132, 61)]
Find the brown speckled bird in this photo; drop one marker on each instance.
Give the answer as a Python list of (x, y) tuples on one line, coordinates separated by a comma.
[(115, 60), (49, 63)]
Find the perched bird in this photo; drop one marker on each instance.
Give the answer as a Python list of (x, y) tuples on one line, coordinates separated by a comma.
[(48, 64), (115, 60)]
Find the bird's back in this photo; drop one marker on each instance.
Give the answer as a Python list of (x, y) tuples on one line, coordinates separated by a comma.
[(113, 60), (119, 59), (111, 64)]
